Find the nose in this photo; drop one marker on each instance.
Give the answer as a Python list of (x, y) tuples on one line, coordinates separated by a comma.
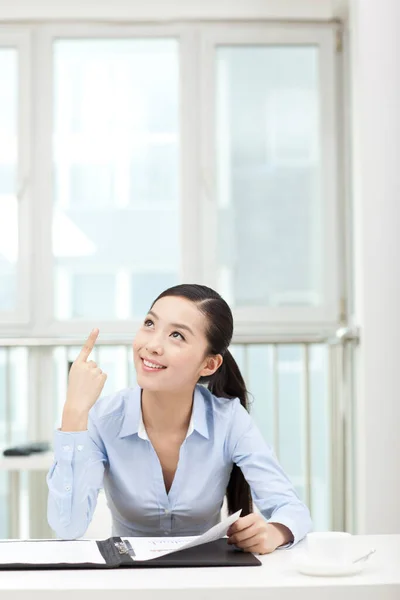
[(155, 347)]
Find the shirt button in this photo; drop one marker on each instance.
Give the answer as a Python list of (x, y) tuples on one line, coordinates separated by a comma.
[(67, 488), (66, 448), (80, 448)]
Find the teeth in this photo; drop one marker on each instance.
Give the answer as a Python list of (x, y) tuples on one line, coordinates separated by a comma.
[(151, 365)]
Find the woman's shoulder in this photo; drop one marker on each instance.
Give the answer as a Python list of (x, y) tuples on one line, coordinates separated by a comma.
[(227, 417), (223, 408)]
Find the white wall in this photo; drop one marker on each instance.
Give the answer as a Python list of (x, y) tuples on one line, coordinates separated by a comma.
[(375, 69)]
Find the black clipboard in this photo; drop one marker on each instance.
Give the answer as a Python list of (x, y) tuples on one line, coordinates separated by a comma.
[(117, 554)]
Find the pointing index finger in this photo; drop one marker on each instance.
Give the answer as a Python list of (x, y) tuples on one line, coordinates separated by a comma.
[(88, 345)]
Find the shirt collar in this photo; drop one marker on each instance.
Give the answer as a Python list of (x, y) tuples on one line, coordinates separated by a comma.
[(133, 418)]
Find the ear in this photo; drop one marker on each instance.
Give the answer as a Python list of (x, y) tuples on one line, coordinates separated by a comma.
[(212, 364)]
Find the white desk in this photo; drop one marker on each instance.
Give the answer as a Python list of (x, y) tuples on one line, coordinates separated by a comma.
[(275, 580)]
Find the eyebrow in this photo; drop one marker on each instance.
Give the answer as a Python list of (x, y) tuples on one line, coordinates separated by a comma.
[(177, 325)]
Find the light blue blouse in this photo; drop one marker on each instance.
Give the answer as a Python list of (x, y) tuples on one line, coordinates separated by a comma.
[(116, 453)]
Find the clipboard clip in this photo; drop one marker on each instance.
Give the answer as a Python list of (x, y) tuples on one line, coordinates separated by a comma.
[(124, 547)]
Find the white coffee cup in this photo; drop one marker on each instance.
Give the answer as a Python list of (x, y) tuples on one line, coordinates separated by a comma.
[(330, 547)]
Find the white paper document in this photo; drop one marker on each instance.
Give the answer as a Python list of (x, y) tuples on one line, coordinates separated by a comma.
[(149, 548), (86, 551), (54, 552)]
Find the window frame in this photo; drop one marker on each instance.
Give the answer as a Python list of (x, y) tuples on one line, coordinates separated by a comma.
[(198, 207), (45, 322), (256, 321)]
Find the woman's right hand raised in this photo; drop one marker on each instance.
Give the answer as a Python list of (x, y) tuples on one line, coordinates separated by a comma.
[(85, 383)]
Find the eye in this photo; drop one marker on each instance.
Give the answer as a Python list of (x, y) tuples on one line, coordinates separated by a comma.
[(148, 323), (177, 335)]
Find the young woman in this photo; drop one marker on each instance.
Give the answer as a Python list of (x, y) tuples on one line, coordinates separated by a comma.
[(168, 450)]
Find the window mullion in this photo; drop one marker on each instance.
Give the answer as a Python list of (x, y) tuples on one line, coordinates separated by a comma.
[(190, 197), (42, 281)]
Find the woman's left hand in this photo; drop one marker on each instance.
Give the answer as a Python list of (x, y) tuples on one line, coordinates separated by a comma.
[(253, 534)]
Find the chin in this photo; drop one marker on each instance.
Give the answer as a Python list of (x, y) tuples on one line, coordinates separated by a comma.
[(146, 383), (152, 385)]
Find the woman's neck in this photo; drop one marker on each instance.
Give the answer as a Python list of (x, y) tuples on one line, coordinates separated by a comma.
[(166, 412)]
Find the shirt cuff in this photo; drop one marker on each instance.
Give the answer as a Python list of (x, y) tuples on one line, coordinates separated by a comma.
[(71, 446)]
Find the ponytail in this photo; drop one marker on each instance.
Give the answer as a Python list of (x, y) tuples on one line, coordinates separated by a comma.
[(228, 382)]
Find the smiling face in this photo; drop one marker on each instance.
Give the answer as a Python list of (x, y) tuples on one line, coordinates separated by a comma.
[(171, 349)]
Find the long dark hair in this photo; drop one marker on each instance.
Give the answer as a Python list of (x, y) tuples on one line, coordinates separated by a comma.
[(227, 381)]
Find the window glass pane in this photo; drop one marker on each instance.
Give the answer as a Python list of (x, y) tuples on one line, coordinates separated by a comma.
[(268, 170), (14, 395), (116, 175), (146, 287), (14, 382), (288, 370), (93, 294), (3, 392), (8, 176), (291, 446), (260, 383), (19, 390), (117, 362)]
